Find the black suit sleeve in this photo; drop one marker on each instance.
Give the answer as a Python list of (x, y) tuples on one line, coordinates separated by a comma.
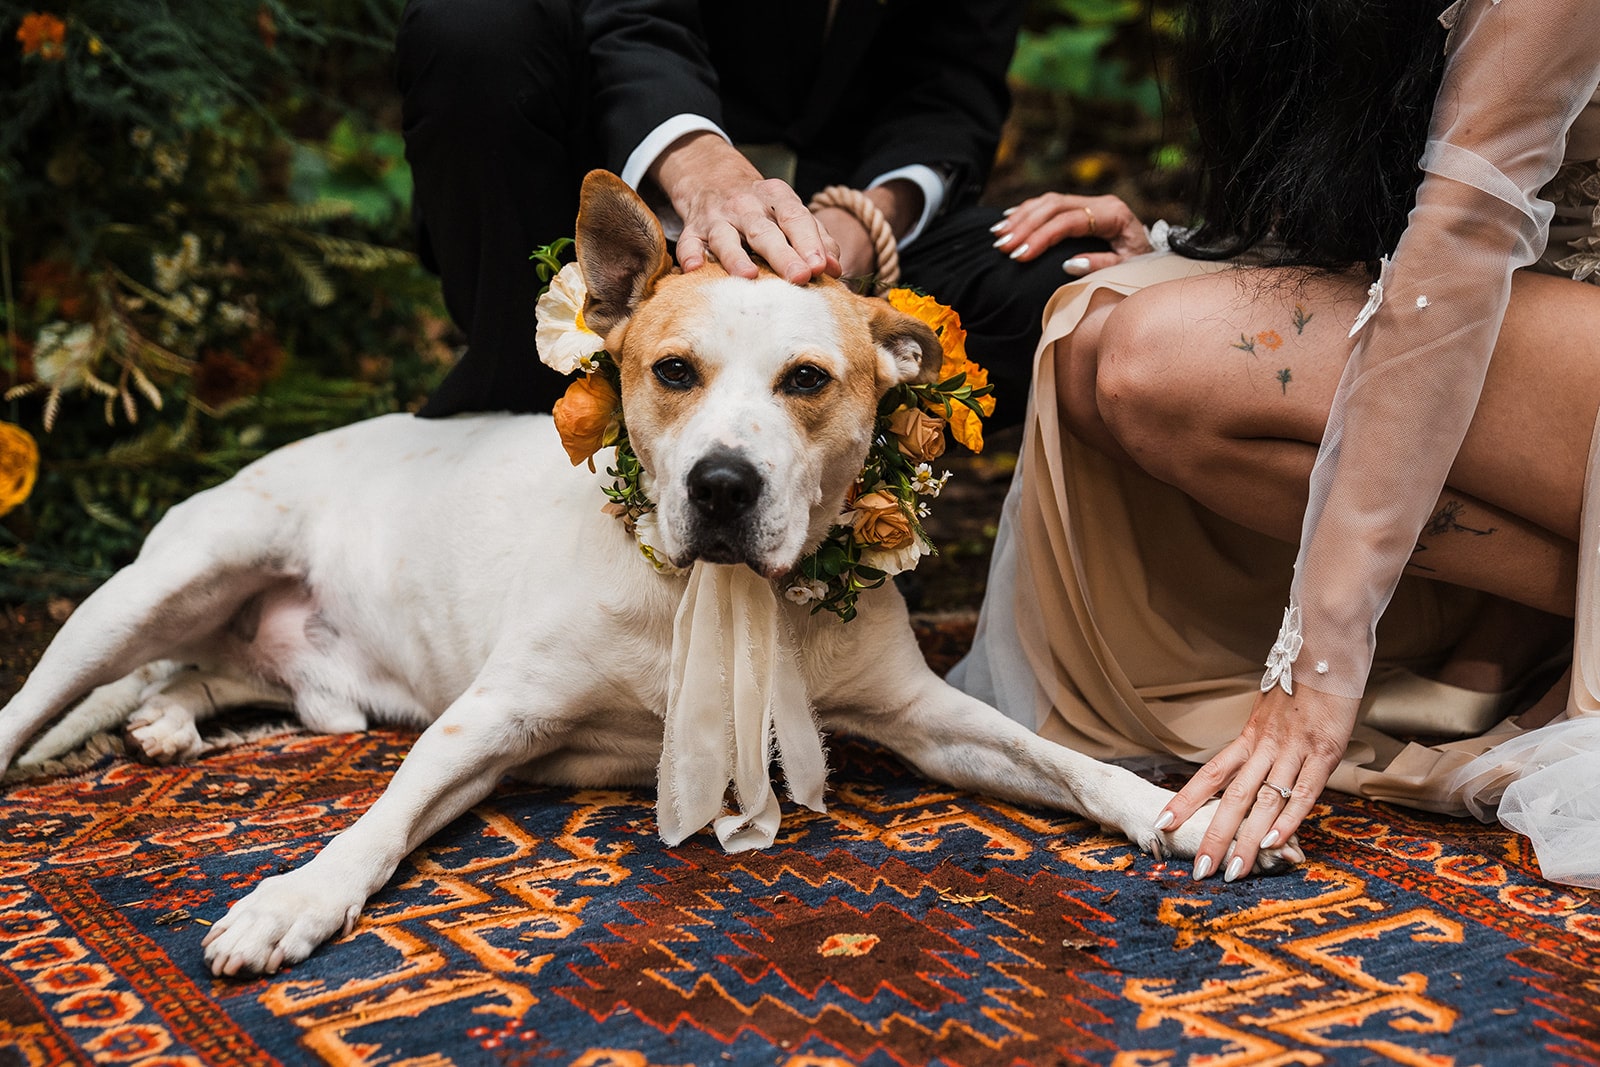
[(650, 63), (940, 70)]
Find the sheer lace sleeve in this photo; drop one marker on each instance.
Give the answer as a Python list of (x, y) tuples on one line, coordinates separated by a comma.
[(1519, 72)]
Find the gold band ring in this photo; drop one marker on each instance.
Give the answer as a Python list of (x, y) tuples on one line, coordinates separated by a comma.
[(1086, 211), (1280, 790)]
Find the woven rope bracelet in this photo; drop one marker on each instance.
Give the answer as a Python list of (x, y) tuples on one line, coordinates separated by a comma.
[(861, 206)]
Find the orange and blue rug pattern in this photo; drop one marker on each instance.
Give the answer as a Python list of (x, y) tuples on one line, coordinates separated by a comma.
[(911, 924)]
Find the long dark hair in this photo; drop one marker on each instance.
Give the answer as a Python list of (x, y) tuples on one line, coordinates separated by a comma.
[(1312, 115)]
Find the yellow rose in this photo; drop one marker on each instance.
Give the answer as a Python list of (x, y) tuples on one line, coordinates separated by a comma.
[(965, 425), (587, 417), (919, 436), (942, 320), (879, 520), (19, 465)]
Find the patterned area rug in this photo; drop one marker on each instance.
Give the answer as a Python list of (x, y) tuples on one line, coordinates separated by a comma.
[(912, 924)]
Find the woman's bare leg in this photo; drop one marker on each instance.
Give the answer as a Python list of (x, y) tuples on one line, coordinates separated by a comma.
[(1221, 385)]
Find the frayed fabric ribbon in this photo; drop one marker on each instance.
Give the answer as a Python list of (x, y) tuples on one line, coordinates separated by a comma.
[(736, 699)]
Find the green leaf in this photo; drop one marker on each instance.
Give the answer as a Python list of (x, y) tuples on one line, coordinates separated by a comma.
[(1060, 60)]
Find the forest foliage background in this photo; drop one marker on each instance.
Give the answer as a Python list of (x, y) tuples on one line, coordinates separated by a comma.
[(205, 247)]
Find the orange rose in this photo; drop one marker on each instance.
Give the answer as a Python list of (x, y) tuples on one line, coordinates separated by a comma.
[(43, 36), (587, 417), (919, 436), (879, 520), (19, 465)]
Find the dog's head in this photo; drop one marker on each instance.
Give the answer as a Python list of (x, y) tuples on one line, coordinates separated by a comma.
[(751, 403)]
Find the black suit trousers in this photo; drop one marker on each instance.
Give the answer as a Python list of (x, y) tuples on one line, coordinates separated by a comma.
[(496, 102)]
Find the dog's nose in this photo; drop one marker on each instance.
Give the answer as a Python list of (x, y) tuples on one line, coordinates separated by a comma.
[(724, 486)]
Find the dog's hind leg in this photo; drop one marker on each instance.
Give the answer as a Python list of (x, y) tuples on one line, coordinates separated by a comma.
[(102, 711), (180, 590), (165, 728)]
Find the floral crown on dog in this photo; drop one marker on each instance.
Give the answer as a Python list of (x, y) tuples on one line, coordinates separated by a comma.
[(879, 532)]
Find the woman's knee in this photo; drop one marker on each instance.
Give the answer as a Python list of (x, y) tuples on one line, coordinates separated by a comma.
[(1141, 378), (1077, 358)]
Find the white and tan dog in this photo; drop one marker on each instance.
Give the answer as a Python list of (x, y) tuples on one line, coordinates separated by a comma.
[(460, 574)]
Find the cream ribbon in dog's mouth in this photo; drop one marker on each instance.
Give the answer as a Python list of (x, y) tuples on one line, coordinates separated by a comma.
[(735, 692)]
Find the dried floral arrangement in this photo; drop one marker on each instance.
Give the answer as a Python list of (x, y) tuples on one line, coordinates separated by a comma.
[(203, 231)]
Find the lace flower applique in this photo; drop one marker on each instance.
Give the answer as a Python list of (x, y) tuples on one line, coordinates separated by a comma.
[(1374, 298), (1280, 661)]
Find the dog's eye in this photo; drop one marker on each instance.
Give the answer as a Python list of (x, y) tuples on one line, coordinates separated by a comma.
[(805, 380), (674, 372)]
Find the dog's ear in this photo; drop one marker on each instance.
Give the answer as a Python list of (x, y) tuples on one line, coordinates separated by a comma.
[(620, 248), (908, 349)]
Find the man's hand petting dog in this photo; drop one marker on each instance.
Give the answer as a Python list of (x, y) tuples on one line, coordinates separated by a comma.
[(457, 574)]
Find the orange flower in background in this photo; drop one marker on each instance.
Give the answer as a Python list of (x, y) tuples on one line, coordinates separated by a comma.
[(587, 417), (43, 36), (19, 465)]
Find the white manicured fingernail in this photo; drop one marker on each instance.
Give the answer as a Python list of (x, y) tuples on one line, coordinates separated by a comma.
[(1005, 239), (1020, 252), (1202, 867), (997, 227), (1165, 820), (1076, 266), (1270, 840), (1008, 211), (1234, 869)]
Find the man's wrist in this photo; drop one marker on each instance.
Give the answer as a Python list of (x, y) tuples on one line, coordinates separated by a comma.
[(901, 203), (688, 161)]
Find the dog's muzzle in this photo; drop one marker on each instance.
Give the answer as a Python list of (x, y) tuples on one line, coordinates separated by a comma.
[(724, 489)]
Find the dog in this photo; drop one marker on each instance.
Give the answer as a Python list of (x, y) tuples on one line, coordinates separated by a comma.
[(460, 575)]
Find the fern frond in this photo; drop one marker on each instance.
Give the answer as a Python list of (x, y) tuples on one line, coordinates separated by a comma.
[(356, 255), (319, 290)]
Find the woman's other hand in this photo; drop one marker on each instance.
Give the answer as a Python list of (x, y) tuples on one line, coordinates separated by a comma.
[(1031, 228)]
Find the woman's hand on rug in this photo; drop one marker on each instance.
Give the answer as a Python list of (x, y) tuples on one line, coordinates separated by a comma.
[(1269, 777), (1030, 229)]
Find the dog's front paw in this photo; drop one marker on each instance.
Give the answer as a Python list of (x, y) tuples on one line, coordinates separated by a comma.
[(1184, 843), (163, 733), (283, 921)]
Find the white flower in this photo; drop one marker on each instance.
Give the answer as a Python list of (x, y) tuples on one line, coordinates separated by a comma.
[(565, 344), (1280, 661), (923, 481), (62, 354), (168, 271), (805, 590), (647, 531), (895, 560)]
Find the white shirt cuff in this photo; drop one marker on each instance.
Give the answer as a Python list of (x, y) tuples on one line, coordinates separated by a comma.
[(933, 190), (659, 140)]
